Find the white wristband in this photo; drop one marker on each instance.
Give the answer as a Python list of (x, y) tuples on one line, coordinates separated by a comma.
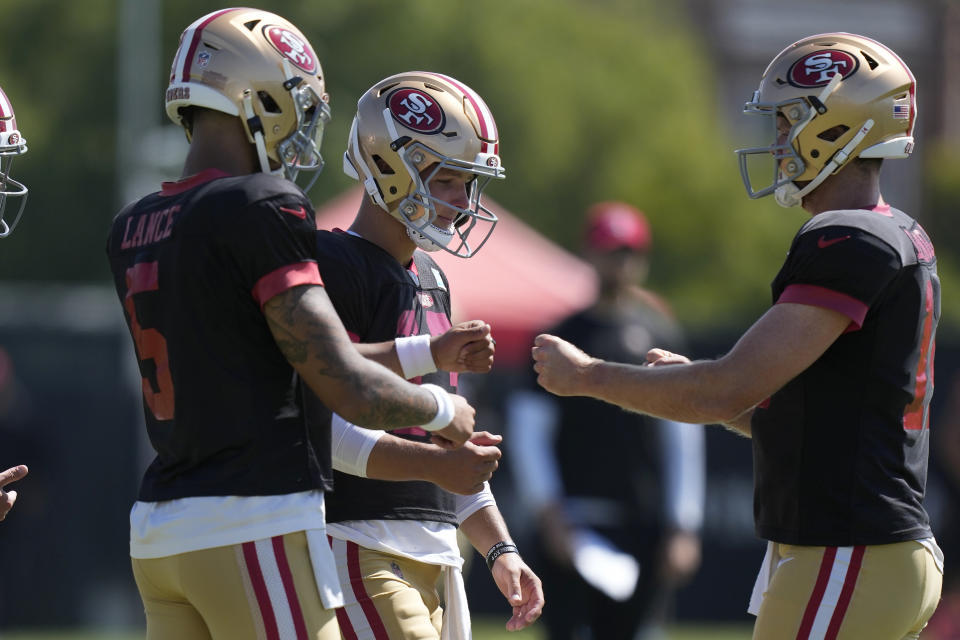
[(445, 410), (415, 357)]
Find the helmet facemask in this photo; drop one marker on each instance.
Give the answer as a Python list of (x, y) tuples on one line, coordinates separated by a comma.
[(11, 189), (300, 151), (418, 210)]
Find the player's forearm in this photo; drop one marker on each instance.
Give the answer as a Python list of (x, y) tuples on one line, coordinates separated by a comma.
[(700, 392), (383, 353), (485, 528), (396, 459), (312, 338)]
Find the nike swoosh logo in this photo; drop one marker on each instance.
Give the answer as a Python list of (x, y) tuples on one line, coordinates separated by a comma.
[(300, 213), (823, 242)]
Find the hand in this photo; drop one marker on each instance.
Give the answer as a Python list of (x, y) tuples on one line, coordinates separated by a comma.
[(7, 498), (465, 469), (460, 428), (466, 347), (522, 589), (658, 357), (681, 556), (559, 365)]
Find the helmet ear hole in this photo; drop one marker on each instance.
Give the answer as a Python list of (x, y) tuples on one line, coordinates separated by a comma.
[(269, 104), (833, 133), (383, 166)]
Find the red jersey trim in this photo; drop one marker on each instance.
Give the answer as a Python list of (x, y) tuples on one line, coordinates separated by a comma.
[(284, 278), (179, 186), (828, 299)]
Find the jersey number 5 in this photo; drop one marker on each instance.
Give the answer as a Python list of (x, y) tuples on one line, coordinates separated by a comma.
[(150, 344)]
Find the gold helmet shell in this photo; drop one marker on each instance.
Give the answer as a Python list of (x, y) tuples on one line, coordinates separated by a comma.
[(259, 67), (844, 96), (407, 128)]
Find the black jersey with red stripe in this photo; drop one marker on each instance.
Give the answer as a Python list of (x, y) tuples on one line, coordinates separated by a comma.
[(840, 452), (193, 264), (378, 300)]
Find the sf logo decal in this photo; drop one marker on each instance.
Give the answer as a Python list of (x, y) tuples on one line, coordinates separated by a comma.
[(416, 110), (818, 68)]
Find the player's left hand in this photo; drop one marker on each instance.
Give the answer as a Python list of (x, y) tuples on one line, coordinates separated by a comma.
[(466, 347), (559, 364), (522, 589), (7, 498)]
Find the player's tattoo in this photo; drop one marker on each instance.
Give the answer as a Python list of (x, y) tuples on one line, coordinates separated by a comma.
[(306, 330)]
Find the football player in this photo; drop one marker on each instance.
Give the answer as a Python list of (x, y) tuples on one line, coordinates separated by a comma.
[(424, 146), (218, 280), (834, 381), (12, 144)]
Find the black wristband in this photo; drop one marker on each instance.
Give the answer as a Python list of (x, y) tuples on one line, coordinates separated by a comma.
[(498, 550)]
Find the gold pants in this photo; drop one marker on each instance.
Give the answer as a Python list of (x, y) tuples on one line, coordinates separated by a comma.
[(263, 590), (388, 597), (879, 592)]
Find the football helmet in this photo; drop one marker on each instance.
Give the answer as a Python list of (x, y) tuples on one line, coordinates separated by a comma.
[(11, 144), (844, 96), (408, 128), (257, 66)]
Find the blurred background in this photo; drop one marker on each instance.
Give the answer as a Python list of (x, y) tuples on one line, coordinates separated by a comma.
[(633, 100)]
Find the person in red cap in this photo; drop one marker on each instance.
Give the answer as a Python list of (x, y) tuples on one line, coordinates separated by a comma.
[(618, 516)]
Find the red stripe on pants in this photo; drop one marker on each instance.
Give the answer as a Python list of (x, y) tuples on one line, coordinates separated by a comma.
[(286, 576), (810, 614), (260, 590), (856, 559), (360, 592)]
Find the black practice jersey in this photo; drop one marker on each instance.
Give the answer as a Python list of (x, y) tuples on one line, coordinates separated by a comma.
[(840, 452), (378, 300), (193, 264), (630, 452)]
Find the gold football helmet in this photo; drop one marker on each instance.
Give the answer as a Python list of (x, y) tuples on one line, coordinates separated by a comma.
[(844, 96), (257, 66), (11, 144), (408, 128)]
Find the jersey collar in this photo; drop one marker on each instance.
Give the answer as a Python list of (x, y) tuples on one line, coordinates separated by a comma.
[(185, 184)]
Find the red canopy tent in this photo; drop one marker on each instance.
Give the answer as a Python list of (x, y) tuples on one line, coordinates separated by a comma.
[(520, 282)]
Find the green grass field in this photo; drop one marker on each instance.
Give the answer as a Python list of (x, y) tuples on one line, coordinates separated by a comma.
[(482, 630)]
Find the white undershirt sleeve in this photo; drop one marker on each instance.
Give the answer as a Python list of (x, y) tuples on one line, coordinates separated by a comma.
[(466, 506), (352, 446)]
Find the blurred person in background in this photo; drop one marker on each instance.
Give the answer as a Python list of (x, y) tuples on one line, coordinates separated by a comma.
[(424, 146), (617, 496), (218, 280), (12, 144), (833, 383)]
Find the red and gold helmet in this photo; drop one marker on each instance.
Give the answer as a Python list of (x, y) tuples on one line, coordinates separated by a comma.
[(12, 143), (260, 68), (845, 96), (415, 121)]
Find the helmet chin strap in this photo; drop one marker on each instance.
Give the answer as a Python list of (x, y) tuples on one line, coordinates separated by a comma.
[(256, 129), (790, 195)]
